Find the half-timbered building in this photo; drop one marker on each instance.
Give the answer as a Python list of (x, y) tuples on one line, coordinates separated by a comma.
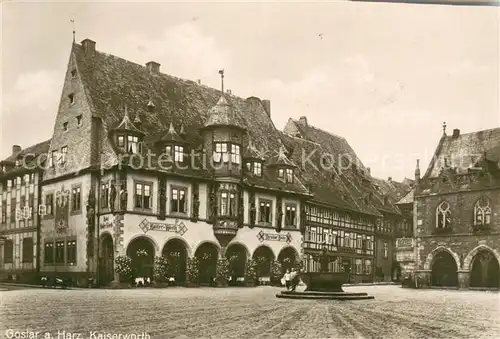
[(20, 191)]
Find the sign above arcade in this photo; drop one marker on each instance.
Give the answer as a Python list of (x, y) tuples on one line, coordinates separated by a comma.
[(176, 227), (262, 236)]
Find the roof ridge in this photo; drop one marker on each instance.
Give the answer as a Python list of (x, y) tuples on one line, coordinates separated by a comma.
[(167, 75), (302, 139), (475, 132), (322, 130)]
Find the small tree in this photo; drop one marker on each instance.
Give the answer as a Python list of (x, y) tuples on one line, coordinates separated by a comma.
[(193, 270), (275, 272), (250, 272), (222, 271), (123, 266), (161, 269)]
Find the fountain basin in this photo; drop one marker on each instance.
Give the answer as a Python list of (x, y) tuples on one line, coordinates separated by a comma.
[(324, 281)]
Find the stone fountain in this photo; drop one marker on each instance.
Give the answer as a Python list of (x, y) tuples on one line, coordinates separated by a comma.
[(324, 284)]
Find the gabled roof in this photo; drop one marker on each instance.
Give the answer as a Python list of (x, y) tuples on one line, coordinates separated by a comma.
[(464, 151), (111, 83), (354, 175), (35, 151), (393, 189), (407, 199), (127, 125)]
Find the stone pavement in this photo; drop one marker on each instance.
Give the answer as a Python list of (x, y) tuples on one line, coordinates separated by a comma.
[(251, 313)]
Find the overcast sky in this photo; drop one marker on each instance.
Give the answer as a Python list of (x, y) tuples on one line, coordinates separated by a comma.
[(384, 76)]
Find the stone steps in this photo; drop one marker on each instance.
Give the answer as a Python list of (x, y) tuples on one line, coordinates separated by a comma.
[(324, 295)]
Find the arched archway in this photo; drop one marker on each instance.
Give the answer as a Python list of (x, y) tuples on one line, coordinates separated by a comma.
[(176, 252), (106, 259), (444, 270), (263, 256), (484, 270), (207, 255), (142, 252), (288, 258), (237, 256)]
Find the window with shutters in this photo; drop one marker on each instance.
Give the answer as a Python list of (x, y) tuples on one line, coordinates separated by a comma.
[(59, 252), (71, 252), (48, 255)]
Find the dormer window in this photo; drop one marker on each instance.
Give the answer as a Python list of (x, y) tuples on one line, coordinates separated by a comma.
[(71, 99), (257, 169), (289, 175), (281, 173), (178, 153), (133, 144), (79, 120), (73, 73), (65, 126), (121, 141)]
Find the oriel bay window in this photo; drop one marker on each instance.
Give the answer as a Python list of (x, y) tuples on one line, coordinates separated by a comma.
[(133, 144), (265, 211), (225, 152), (178, 200), (227, 205), (142, 196), (291, 215)]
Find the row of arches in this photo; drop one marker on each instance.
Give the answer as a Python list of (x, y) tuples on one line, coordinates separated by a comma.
[(177, 252), (484, 268)]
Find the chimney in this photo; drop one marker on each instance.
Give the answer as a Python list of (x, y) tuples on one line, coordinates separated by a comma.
[(16, 149), (153, 67), (267, 107), (456, 133), (369, 170), (89, 47), (303, 120), (229, 91), (198, 82), (389, 179)]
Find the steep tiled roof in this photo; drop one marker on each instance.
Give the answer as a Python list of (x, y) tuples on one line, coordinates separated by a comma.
[(464, 151), (342, 158), (328, 185), (158, 99), (395, 190), (32, 151), (127, 125), (407, 199)]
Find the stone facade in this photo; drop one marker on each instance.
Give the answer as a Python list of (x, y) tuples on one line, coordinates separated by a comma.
[(457, 214)]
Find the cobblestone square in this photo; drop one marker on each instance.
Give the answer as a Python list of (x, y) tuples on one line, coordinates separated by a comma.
[(251, 313)]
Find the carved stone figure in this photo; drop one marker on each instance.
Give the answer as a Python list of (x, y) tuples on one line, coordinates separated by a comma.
[(279, 215), (123, 199), (112, 196), (303, 218), (213, 203), (253, 210), (163, 199)]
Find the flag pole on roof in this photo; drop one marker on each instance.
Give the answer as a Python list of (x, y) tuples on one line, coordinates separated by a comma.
[(221, 72), (73, 22)]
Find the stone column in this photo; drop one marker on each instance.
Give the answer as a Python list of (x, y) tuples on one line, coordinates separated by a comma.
[(463, 279)]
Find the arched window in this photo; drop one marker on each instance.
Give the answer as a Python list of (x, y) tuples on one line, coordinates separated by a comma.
[(443, 215), (482, 212)]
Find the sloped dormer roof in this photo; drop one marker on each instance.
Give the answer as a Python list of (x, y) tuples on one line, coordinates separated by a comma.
[(33, 152), (126, 125)]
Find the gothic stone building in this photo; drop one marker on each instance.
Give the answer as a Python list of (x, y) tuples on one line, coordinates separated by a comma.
[(457, 212), (20, 191)]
